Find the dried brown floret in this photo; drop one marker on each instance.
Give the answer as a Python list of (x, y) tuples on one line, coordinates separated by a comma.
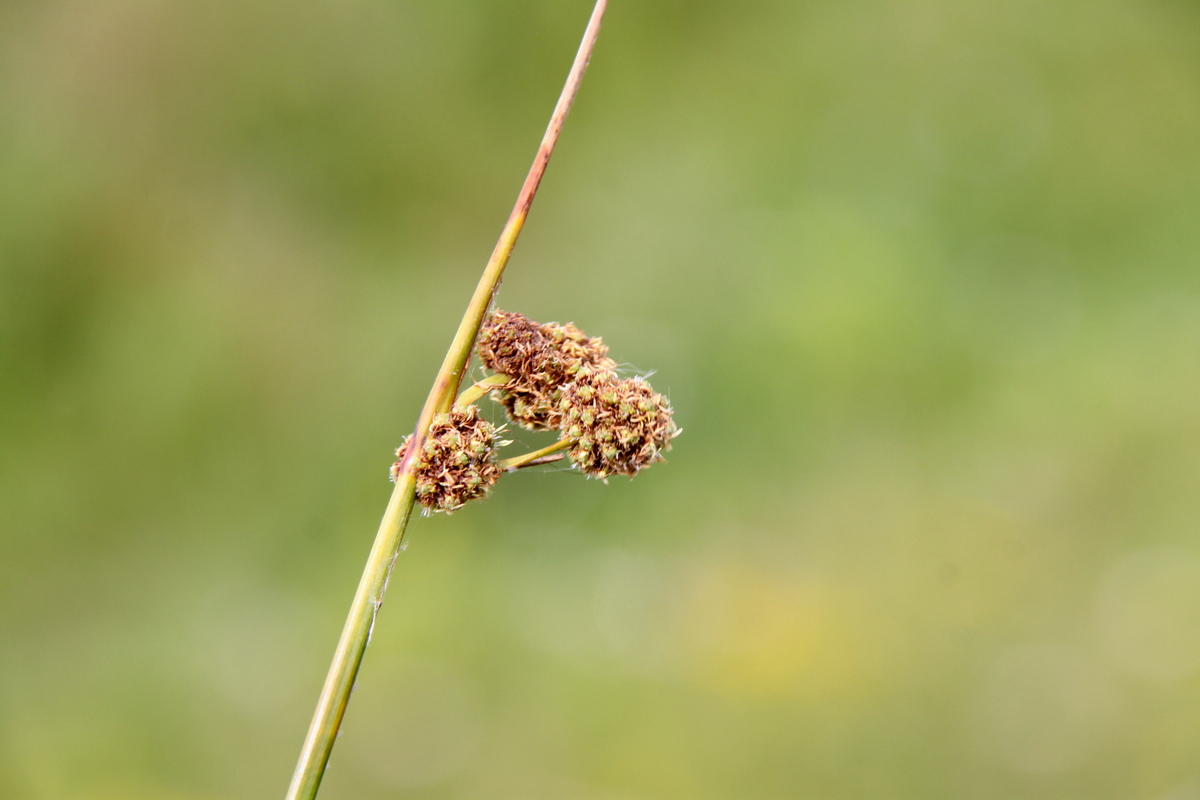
[(512, 344), (538, 359), (457, 462), (618, 426), (573, 349), (535, 409)]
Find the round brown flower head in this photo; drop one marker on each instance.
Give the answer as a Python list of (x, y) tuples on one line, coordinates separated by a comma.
[(457, 462), (619, 426), (538, 359)]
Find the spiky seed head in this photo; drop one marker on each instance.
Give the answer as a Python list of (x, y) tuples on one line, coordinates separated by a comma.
[(457, 462), (512, 344), (629, 420), (538, 359)]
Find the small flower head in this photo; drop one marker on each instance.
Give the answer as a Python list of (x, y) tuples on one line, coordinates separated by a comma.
[(538, 359), (532, 408), (512, 344), (619, 426), (573, 349), (457, 462)]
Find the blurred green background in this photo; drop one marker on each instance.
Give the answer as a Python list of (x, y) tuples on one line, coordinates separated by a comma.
[(920, 278)]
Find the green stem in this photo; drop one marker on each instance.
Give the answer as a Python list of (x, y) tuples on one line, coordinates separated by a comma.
[(335, 694), (509, 464), (479, 389)]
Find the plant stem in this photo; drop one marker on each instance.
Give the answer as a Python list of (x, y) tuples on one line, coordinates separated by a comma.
[(537, 462), (479, 389), (335, 694), (509, 464)]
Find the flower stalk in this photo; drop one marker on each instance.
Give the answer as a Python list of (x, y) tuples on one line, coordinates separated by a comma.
[(335, 694), (539, 456), (479, 389)]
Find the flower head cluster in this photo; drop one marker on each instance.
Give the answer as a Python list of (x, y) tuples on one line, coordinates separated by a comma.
[(560, 379), (617, 426), (538, 360), (457, 463)]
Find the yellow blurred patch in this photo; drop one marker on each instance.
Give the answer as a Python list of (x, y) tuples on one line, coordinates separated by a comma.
[(755, 634)]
